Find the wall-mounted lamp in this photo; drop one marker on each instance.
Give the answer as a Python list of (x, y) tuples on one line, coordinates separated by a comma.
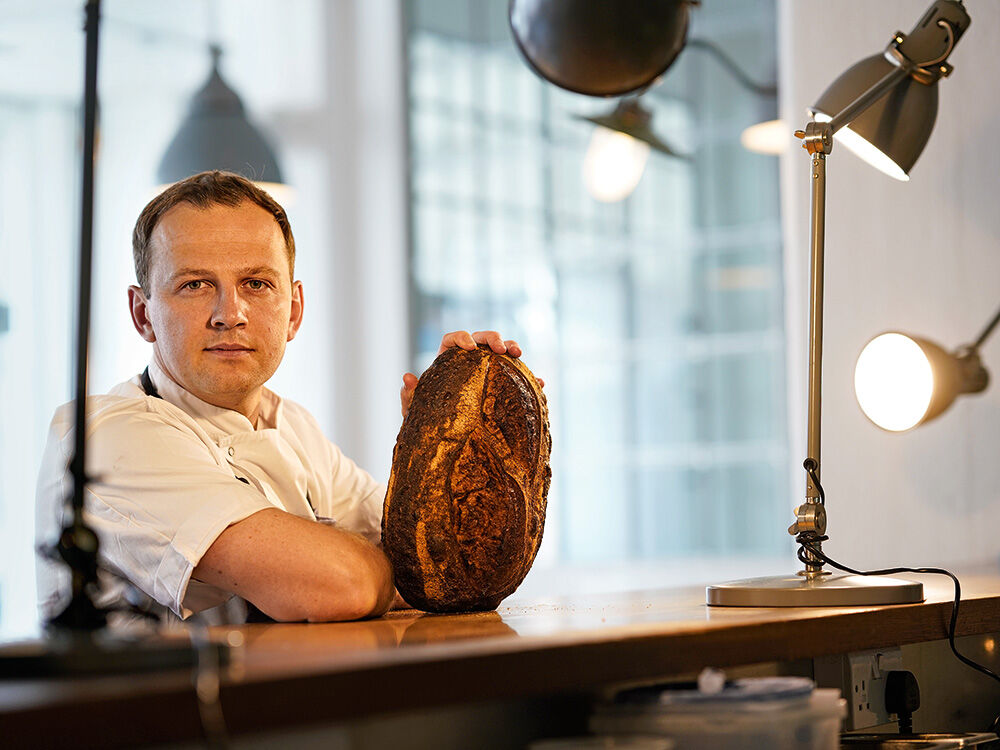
[(903, 381)]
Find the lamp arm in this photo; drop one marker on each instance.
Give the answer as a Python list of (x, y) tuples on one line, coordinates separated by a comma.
[(764, 89), (924, 70), (881, 87), (987, 331)]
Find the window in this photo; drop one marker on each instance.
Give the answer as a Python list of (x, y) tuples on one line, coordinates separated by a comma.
[(657, 322)]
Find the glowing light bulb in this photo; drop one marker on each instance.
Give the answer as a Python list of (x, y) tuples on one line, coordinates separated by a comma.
[(894, 382), (613, 165), (865, 150)]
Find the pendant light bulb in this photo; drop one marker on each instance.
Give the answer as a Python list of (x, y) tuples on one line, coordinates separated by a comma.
[(613, 165)]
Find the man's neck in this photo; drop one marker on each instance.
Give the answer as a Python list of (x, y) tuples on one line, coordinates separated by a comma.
[(247, 404)]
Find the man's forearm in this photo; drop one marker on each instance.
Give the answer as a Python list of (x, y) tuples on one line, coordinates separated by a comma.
[(292, 569)]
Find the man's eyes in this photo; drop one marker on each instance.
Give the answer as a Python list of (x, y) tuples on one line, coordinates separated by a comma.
[(257, 285)]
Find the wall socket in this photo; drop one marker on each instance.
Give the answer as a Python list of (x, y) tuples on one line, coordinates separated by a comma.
[(861, 679)]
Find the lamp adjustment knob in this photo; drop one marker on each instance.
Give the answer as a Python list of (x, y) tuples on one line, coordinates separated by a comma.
[(809, 517), (817, 138)]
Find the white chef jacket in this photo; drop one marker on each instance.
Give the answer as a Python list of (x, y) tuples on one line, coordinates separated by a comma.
[(171, 473)]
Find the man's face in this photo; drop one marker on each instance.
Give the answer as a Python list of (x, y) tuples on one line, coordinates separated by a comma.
[(222, 304)]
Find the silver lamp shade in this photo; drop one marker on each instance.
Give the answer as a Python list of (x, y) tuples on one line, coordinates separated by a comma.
[(893, 131), (216, 134)]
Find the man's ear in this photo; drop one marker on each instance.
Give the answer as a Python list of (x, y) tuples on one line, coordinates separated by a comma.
[(295, 319), (140, 314)]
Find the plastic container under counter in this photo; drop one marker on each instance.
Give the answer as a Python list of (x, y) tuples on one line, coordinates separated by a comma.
[(768, 713)]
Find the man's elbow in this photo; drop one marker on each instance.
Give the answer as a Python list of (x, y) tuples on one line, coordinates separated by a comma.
[(366, 594), (370, 594)]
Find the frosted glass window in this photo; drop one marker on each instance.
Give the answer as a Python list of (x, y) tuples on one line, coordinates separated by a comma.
[(657, 322)]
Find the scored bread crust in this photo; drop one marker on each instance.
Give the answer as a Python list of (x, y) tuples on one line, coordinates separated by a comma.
[(465, 508)]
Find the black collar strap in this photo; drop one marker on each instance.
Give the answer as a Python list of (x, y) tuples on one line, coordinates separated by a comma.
[(147, 384)]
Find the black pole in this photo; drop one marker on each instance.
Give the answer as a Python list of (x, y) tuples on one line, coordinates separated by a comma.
[(78, 543)]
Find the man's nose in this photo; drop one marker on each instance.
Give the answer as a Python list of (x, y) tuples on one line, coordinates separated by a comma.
[(228, 311)]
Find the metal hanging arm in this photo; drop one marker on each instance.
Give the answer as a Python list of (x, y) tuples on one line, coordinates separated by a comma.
[(987, 331), (764, 89)]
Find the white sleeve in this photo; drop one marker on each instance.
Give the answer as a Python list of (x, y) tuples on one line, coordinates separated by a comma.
[(158, 499)]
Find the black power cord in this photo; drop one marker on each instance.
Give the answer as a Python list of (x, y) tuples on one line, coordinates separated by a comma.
[(809, 544)]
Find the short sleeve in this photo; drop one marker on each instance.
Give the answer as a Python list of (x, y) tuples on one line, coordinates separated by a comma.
[(158, 499)]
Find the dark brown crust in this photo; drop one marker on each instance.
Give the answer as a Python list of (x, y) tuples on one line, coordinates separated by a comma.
[(465, 509)]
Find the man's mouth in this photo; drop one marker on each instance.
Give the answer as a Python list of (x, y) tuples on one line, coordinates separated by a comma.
[(228, 349)]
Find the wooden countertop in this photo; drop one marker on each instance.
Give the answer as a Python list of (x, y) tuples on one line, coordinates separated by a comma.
[(288, 674)]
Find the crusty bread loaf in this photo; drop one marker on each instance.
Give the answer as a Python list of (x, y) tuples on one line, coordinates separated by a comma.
[(465, 509)]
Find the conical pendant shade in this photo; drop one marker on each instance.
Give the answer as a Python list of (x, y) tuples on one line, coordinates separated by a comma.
[(216, 134)]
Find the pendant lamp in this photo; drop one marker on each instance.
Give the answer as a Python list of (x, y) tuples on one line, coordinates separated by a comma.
[(216, 134)]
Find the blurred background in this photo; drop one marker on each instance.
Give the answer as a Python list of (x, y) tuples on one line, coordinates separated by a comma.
[(437, 184)]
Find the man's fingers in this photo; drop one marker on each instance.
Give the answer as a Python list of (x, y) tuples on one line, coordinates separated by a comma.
[(457, 338), (406, 392), (541, 383), (492, 339), (513, 348)]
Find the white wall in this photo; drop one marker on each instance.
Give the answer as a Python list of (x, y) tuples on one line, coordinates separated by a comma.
[(921, 257), (354, 344)]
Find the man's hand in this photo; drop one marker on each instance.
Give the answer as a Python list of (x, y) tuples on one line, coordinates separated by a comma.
[(467, 341)]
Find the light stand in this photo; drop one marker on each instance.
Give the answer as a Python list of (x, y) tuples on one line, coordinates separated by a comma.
[(78, 544), (78, 640), (916, 63)]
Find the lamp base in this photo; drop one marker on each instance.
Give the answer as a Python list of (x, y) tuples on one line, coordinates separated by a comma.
[(820, 591)]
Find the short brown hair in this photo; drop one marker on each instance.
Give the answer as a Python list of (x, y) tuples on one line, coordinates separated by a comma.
[(203, 190)]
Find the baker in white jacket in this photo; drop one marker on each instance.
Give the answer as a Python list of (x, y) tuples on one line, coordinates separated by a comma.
[(205, 484)]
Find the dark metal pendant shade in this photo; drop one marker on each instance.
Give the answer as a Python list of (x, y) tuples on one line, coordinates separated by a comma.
[(631, 118), (216, 134), (899, 124), (600, 47)]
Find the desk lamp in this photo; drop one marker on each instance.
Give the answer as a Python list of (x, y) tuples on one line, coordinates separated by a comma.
[(883, 109), (903, 381)]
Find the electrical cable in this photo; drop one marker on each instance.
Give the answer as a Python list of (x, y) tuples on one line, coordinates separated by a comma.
[(809, 543)]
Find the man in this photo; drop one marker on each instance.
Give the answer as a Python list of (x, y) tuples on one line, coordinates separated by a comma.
[(206, 484)]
